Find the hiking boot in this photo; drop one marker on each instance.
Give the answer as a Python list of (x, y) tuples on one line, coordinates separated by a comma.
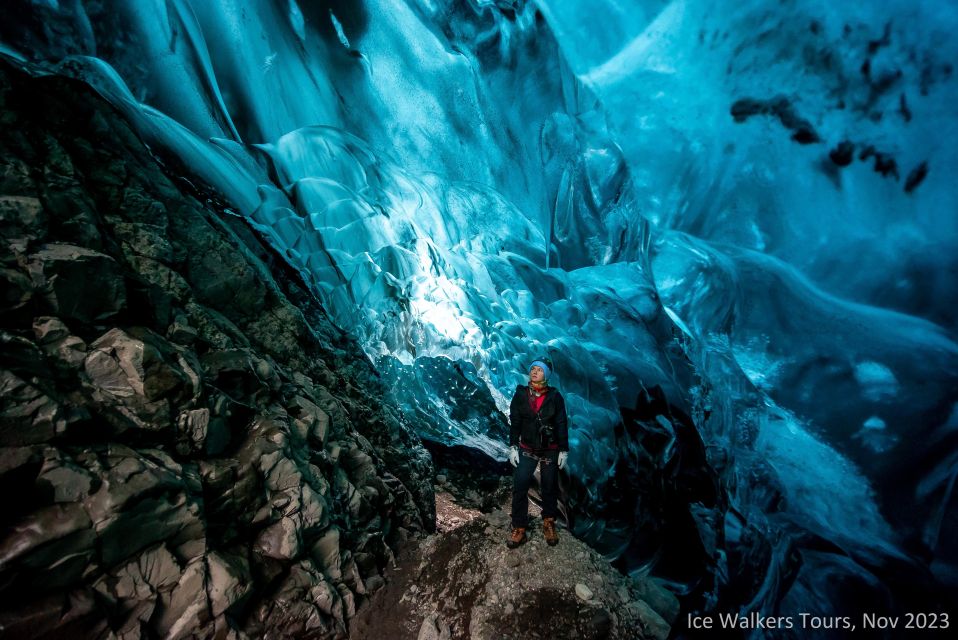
[(549, 531), (518, 537)]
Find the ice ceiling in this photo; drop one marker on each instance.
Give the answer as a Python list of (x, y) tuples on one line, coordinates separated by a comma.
[(747, 204)]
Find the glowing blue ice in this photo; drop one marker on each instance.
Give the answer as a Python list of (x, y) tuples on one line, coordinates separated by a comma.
[(486, 182)]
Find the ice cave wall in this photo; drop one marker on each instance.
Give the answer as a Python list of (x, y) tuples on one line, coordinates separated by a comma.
[(748, 205)]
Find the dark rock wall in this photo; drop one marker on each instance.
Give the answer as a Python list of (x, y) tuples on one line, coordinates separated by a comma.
[(188, 448)]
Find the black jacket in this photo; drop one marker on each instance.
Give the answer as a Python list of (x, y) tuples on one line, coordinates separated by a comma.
[(526, 428)]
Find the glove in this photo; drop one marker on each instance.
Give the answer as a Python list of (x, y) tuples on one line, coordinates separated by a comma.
[(563, 455), (514, 456)]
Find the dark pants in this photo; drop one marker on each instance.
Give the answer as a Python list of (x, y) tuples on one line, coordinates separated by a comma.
[(548, 482)]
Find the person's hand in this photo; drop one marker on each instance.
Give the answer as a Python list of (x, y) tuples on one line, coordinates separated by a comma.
[(563, 455), (514, 456)]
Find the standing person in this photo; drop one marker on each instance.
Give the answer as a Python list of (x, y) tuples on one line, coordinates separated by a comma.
[(539, 437)]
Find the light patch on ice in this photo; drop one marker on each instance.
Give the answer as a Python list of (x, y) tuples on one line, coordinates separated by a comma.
[(821, 485), (641, 52), (296, 20), (759, 238), (433, 302), (876, 380), (669, 282), (761, 369), (678, 321), (268, 62), (874, 434), (339, 30)]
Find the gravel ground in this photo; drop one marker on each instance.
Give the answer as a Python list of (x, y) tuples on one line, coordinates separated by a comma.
[(463, 582)]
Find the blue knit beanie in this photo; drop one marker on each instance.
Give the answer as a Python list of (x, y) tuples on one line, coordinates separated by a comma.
[(546, 370)]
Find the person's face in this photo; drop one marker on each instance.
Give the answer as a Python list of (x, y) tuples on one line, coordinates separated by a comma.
[(536, 374)]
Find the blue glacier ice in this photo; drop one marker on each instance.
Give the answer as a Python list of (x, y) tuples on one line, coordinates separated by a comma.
[(731, 225)]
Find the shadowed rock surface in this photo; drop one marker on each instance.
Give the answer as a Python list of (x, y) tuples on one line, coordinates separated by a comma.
[(465, 583), (188, 447)]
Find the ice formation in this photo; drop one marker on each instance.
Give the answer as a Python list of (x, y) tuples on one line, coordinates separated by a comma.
[(748, 206)]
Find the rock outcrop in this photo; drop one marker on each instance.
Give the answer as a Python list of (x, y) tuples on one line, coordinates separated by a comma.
[(188, 447)]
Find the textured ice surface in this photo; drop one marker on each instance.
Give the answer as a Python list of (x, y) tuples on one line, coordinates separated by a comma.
[(751, 198)]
